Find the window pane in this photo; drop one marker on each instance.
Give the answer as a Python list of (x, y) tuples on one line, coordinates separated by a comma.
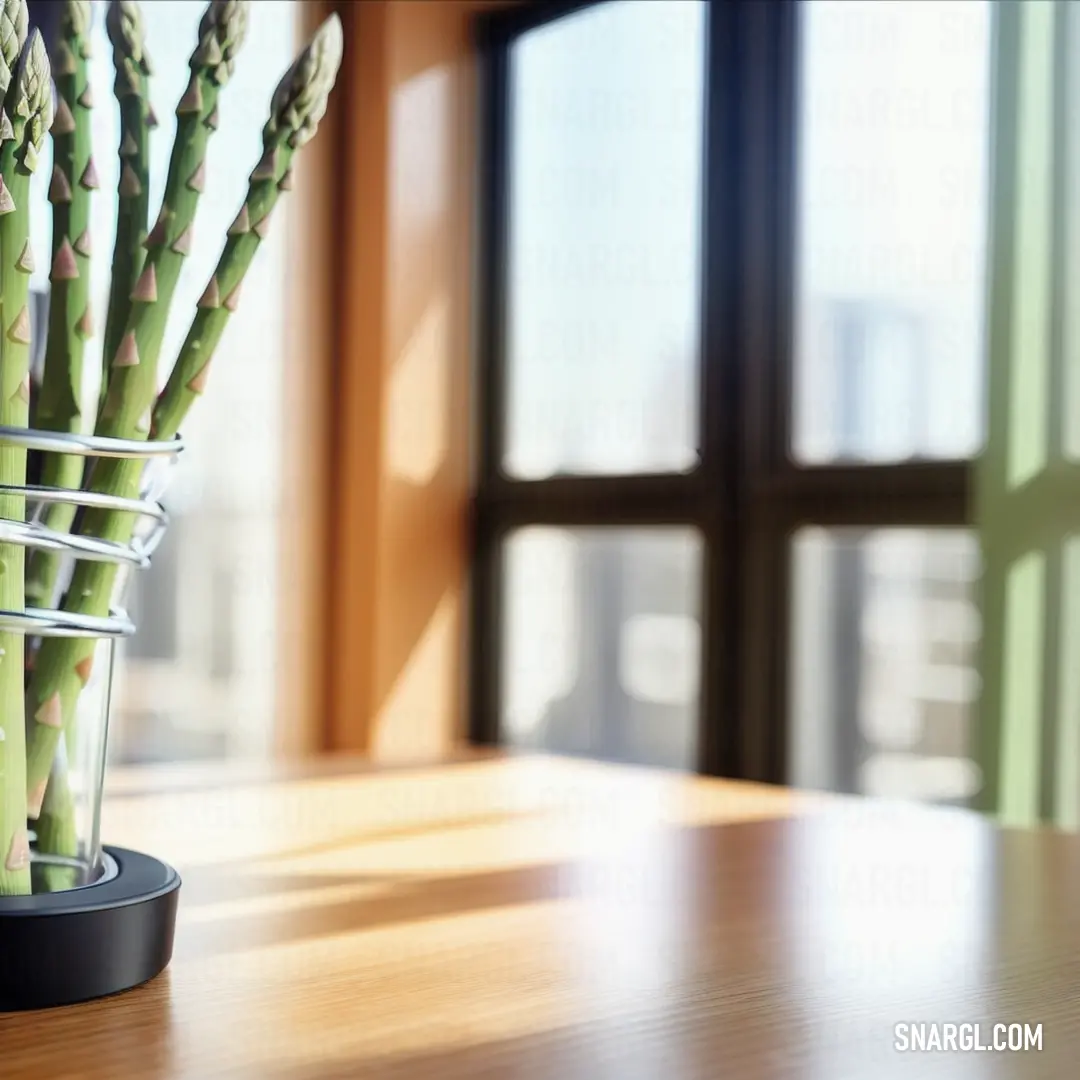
[(883, 673), (605, 178), (892, 210), (601, 654), (1069, 132), (198, 679)]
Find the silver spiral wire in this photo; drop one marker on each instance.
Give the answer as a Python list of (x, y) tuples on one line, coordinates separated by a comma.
[(53, 622)]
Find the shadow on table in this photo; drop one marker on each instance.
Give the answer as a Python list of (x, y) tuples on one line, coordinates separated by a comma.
[(425, 898), (705, 862), (884, 868)]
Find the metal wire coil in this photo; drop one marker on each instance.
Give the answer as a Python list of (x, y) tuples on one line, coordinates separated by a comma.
[(52, 622)]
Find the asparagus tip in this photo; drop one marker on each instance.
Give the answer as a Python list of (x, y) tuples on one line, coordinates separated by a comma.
[(221, 33), (14, 25), (29, 101), (301, 97), (127, 32), (75, 18)]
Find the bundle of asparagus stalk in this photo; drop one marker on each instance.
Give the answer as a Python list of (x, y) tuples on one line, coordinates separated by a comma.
[(36, 708)]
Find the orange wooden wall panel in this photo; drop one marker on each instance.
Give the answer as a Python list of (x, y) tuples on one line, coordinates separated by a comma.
[(399, 566), (303, 609)]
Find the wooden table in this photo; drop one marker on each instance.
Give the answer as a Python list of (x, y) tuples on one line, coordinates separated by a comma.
[(558, 920)]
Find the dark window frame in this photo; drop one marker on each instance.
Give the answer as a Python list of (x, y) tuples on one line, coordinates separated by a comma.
[(747, 497)]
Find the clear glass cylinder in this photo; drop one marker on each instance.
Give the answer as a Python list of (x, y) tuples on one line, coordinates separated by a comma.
[(65, 838)]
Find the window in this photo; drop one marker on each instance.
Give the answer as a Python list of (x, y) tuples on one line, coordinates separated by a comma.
[(891, 212), (602, 642), (603, 271), (731, 364), (216, 571)]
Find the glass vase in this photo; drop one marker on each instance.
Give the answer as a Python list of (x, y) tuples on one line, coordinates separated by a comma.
[(66, 850)]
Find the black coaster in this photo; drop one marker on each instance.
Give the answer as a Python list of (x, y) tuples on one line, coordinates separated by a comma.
[(65, 947)]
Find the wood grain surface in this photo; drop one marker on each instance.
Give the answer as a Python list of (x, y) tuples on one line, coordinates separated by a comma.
[(560, 920)]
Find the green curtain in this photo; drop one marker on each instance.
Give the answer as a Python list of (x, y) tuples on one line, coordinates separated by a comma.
[(1028, 478)]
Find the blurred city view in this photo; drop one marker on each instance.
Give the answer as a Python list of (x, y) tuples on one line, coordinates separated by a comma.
[(602, 638)]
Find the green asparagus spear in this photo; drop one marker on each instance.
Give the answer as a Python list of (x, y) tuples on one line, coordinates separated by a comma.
[(56, 831), (14, 850), (27, 116), (74, 178), (132, 62), (298, 104), (62, 665)]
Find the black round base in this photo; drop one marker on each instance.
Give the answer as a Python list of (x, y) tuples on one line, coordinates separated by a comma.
[(61, 948)]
